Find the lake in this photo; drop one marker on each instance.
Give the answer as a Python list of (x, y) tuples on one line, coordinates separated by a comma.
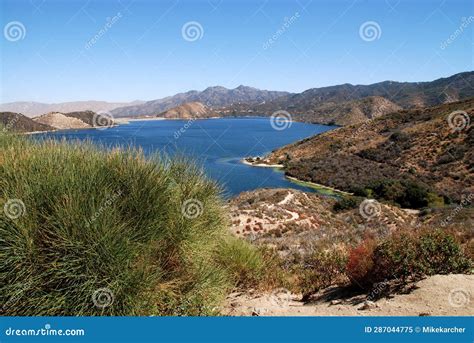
[(219, 144)]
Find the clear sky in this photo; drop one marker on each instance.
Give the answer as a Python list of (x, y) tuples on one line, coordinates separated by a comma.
[(48, 53)]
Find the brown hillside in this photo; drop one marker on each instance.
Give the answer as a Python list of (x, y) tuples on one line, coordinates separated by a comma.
[(417, 145)]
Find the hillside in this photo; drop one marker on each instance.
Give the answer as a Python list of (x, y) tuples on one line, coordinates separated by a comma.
[(33, 109), (349, 112), (61, 121), (404, 94), (188, 110), (212, 96), (19, 123), (417, 147)]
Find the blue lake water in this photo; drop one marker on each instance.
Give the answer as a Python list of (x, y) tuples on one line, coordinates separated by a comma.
[(219, 144)]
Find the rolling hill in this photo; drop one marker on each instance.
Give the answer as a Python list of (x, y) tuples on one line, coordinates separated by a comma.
[(17, 122), (430, 148)]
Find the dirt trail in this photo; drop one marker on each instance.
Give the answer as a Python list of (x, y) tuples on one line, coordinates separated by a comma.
[(439, 295)]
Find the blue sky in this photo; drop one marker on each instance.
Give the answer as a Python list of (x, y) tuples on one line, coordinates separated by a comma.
[(142, 53)]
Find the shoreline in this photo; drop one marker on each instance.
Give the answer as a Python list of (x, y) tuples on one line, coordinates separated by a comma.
[(261, 165), (316, 185)]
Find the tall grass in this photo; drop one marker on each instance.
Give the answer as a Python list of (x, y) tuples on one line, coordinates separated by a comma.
[(109, 233)]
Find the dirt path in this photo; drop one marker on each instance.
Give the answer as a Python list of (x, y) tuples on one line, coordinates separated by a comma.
[(439, 295)]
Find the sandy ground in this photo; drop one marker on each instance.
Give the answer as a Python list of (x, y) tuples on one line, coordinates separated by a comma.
[(438, 295)]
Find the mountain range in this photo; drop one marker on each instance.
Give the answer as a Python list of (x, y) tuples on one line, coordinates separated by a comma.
[(215, 97), (343, 104), (33, 109)]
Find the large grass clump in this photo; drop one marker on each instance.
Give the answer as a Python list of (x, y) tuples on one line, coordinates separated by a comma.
[(85, 231)]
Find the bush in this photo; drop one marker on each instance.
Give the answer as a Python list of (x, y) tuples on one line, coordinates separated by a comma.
[(408, 254), (360, 262), (406, 193), (109, 228), (346, 202), (242, 261), (322, 269)]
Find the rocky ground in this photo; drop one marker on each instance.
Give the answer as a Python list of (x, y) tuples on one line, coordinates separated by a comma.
[(289, 220), (438, 295)]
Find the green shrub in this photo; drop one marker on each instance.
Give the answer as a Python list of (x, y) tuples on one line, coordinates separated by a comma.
[(321, 269), (346, 202), (413, 254), (100, 226), (242, 261)]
